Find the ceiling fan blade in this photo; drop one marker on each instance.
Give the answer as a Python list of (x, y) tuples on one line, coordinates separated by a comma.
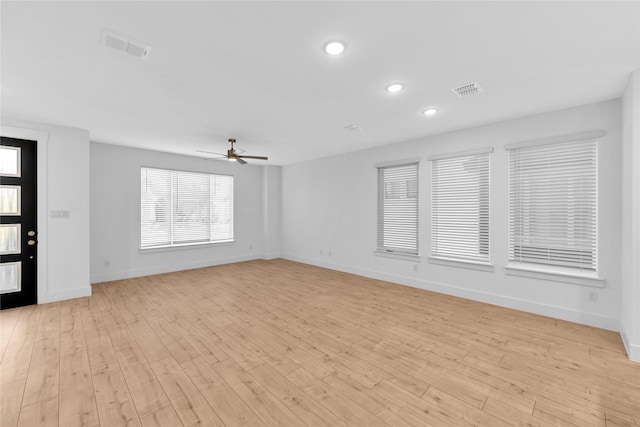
[(254, 157), (210, 152), (239, 160)]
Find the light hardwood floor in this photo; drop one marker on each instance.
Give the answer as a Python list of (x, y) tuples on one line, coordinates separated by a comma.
[(267, 343)]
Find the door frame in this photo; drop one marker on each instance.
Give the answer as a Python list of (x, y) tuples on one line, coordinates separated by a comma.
[(41, 138)]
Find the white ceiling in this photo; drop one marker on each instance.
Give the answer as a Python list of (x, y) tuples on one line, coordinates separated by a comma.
[(256, 71)]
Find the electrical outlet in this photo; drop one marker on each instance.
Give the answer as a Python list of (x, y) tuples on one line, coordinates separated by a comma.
[(592, 296)]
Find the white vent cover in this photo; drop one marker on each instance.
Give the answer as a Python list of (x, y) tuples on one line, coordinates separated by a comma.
[(125, 44), (468, 89)]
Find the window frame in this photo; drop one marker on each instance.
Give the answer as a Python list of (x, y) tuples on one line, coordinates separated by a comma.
[(390, 251), (186, 245), (450, 259), (554, 272)]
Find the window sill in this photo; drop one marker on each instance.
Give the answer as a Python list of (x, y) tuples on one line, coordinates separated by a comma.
[(556, 275), (473, 265), (397, 255), (184, 246)]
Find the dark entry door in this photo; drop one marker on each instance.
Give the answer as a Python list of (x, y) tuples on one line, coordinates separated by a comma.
[(18, 221)]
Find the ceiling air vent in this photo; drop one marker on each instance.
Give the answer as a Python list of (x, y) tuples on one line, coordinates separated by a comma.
[(468, 89), (125, 44)]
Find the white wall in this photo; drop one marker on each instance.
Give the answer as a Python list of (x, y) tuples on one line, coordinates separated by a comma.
[(329, 209), (115, 214), (272, 199), (630, 292), (63, 184)]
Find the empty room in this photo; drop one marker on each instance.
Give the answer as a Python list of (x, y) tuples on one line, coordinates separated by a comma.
[(320, 213)]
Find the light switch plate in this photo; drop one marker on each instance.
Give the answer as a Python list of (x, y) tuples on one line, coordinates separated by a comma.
[(60, 214)]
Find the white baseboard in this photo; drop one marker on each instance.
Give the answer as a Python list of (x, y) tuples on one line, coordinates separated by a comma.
[(501, 300), (633, 350), (273, 255), (129, 274), (63, 295)]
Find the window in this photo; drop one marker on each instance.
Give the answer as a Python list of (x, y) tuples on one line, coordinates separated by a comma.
[(398, 209), (553, 205), (460, 206), (182, 208)]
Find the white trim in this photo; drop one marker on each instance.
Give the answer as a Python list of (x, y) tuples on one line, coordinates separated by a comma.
[(633, 350), (397, 255), (403, 162), (460, 154), (574, 137), (42, 139), (120, 275), (472, 265), (555, 275), (169, 248), (563, 313), (66, 294)]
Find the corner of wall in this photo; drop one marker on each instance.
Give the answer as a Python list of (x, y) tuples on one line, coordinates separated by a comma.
[(630, 239), (271, 211), (633, 350)]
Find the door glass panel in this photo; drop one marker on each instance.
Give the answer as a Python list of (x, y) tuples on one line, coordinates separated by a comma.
[(9, 239), (10, 161), (10, 277), (9, 200)]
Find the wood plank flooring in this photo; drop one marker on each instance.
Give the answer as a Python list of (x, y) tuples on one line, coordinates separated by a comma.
[(277, 343)]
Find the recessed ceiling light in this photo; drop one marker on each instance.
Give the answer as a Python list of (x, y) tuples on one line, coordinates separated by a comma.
[(430, 112), (334, 47), (394, 87)]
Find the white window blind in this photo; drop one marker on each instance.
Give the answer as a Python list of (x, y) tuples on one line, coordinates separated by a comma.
[(553, 205), (398, 209), (181, 208), (460, 206)]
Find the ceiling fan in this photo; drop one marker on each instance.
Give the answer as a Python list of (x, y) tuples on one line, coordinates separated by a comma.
[(232, 154)]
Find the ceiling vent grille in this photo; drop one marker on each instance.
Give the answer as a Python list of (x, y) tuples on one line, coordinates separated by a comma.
[(125, 44), (468, 89)]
